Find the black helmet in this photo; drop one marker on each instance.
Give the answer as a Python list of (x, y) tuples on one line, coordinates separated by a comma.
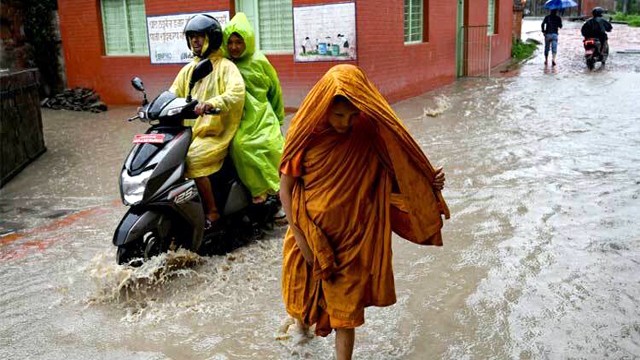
[(597, 11), (208, 25)]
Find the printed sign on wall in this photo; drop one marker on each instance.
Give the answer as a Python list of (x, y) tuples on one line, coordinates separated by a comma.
[(325, 32), (167, 44)]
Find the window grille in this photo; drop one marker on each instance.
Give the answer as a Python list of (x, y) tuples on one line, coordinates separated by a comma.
[(413, 16), (275, 25), (124, 25), (491, 18)]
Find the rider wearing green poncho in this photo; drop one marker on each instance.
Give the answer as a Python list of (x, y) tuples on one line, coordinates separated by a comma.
[(257, 146)]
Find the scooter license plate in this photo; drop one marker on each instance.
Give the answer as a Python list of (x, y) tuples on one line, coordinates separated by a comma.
[(588, 52), (148, 138)]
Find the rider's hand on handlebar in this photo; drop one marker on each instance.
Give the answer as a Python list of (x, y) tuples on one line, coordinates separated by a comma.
[(202, 108)]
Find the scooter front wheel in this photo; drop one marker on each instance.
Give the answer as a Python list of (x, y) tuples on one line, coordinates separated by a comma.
[(153, 245), (130, 254)]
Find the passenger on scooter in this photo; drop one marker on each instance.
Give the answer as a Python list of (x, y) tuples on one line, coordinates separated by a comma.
[(257, 147), (223, 89), (597, 27)]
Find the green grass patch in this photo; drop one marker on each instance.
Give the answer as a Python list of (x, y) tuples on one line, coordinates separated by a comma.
[(522, 50), (631, 19)]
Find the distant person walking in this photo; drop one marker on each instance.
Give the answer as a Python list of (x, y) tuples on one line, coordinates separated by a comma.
[(550, 26)]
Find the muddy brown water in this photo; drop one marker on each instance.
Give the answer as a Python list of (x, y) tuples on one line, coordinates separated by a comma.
[(541, 255)]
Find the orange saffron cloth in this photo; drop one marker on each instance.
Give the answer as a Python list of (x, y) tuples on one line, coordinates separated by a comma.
[(351, 191)]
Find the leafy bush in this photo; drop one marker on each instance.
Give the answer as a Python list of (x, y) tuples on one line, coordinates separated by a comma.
[(632, 20), (522, 50)]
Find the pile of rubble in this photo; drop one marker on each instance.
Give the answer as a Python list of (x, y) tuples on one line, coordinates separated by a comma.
[(77, 99)]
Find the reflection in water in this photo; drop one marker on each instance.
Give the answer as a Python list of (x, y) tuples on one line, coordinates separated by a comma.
[(540, 260)]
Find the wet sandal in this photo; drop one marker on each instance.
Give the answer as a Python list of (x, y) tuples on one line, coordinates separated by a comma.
[(208, 224), (212, 226), (280, 214)]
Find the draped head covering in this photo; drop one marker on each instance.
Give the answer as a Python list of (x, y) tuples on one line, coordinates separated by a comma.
[(413, 171)]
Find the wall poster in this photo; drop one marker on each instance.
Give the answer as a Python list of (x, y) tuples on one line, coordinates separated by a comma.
[(325, 32), (167, 44)]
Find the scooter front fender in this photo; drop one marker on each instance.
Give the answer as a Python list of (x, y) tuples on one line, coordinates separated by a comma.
[(134, 225)]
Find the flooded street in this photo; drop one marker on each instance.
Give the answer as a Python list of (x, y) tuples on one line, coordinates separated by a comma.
[(541, 255)]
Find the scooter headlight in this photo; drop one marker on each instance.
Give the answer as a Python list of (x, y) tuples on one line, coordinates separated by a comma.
[(133, 186)]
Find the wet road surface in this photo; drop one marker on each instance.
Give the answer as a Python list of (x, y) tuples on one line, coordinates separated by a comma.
[(540, 260)]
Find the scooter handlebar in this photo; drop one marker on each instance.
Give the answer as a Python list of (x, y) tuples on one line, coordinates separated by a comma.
[(192, 105), (214, 111)]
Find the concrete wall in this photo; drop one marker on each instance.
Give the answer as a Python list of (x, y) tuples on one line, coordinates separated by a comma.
[(399, 70)]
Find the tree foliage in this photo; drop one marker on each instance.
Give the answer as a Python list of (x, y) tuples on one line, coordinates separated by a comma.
[(41, 33)]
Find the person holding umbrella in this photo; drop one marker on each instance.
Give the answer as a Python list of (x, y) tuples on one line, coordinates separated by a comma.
[(550, 26)]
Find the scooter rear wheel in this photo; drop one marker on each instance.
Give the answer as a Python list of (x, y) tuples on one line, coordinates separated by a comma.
[(591, 64)]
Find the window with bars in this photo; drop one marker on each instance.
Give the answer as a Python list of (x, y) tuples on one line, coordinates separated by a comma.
[(491, 18), (124, 25), (413, 20), (275, 25)]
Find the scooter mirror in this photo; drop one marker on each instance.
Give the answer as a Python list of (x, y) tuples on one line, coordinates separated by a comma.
[(137, 84), (202, 69)]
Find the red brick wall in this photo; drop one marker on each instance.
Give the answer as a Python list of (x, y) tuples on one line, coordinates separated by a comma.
[(502, 40), (86, 64), (588, 5), (399, 70), (476, 14)]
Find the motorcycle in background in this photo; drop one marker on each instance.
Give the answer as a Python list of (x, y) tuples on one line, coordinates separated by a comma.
[(593, 52)]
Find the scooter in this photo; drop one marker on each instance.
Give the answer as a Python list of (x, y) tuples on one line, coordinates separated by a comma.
[(166, 210), (593, 53)]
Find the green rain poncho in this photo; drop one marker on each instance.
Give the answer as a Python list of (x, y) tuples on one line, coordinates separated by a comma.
[(257, 146)]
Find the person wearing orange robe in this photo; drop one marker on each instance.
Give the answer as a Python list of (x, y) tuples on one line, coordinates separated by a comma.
[(350, 175)]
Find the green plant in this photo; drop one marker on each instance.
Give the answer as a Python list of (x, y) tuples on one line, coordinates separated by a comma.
[(522, 50), (40, 33), (632, 20)]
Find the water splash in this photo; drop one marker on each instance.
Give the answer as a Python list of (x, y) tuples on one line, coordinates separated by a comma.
[(443, 103), (126, 284)]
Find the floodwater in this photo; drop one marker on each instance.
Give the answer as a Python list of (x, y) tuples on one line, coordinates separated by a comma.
[(541, 255)]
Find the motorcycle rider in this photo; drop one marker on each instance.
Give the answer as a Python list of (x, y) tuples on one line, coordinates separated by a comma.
[(597, 27), (223, 89)]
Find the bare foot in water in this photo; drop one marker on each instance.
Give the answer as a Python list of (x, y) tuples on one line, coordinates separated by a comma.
[(303, 333), (283, 329)]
